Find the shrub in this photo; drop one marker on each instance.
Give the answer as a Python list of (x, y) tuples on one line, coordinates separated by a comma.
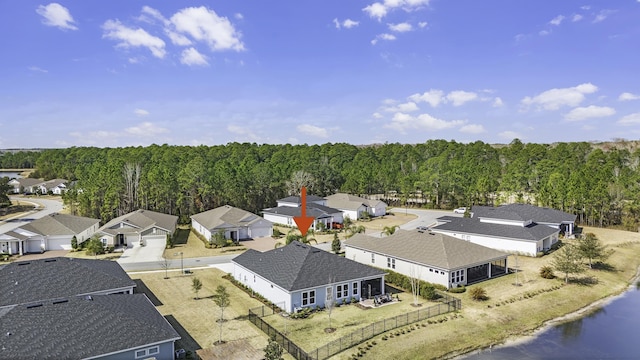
[(276, 233), (74, 243), (458, 290), (478, 294), (546, 272)]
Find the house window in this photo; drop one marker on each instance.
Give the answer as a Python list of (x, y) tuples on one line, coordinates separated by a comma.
[(373, 258), (308, 298), (391, 263), (342, 290), (141, 353), (355, 288), (154, 350), (146, 352)]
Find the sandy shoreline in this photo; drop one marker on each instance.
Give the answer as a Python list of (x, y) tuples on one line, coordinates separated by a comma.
[(525, 338)]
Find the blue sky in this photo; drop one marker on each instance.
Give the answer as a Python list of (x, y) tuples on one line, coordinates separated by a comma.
[(128, 72)]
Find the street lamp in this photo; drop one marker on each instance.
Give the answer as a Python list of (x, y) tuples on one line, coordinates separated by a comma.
[(181, 261)]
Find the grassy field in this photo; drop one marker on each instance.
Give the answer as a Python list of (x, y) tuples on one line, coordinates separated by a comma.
[(195, 320), (513, 311), (191, 246)]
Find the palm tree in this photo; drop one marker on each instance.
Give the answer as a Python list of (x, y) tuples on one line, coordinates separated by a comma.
[(389, 230), (353, 229)]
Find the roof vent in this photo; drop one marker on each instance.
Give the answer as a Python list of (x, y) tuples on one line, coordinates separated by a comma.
[(23, 263), (34, 306), (88, 297), (61, 301), (9, 333), (51, 260)]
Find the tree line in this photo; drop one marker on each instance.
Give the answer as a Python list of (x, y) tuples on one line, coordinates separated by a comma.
[(599, 184)]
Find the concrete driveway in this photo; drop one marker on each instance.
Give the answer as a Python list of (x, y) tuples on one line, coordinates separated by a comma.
[(150, 252), (43, 208)]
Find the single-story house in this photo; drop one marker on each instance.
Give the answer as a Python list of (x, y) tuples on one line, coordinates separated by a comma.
[(517, 213), (23, 282), (289, 207), (52, 232), (24, 185), (236, 224), (138, 226), (521, 237), (354, 207), (52, 308), (431, 257), (298, 275)]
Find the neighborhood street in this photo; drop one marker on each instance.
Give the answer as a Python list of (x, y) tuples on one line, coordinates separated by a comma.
[(44, 208)]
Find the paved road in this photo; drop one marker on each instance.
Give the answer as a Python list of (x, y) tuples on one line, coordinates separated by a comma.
[(44, 208), (176, 263)]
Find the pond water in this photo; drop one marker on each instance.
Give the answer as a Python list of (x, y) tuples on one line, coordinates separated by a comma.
[(609, 332), (10, 174)]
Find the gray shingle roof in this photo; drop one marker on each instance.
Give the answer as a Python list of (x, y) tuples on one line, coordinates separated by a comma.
[(144, 219), (60, 224), (523, 212), (28, 281), (314, 210), (431, 249), (226, 216), (533, 232), (77, 327), (296, 199), (346, 201), (298, 266)]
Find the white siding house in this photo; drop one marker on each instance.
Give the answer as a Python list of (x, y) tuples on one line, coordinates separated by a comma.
[(314, 276), (435, 258), (355, 206), (235, 224), (138, 226)]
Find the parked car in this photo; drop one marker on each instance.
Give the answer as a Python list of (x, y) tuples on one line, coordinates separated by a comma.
[(460, 210), (422, 228)]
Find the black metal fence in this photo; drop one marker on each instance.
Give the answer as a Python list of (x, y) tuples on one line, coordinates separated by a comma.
[(448, 303)]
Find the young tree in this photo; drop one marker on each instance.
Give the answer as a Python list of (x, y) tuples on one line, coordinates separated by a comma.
[(222, 299), (165, 264), (330, 302), (94, 246), (335, 244), (567, 260), (218, 239), (196, 285), (414, 279), (273, 351), (590, 247), (74, 243)]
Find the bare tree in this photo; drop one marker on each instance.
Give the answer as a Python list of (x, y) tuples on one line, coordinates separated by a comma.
[(222, 299), (414, 278), (165, 264), (298, 180), (330, 303), (131, 174), (196, 285)]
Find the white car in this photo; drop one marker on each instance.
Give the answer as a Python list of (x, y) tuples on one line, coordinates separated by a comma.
[(460, 210)]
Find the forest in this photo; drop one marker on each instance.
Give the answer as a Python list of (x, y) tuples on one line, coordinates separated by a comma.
[(600, 183)]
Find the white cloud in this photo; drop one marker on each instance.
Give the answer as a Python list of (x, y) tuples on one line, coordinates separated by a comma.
[(245, 132), (387, 37), (401, 27), (602, 15), (422, 24), (460, 97), (312, 130), (38, 69), (576, 17), (631, 119), (192, 57), (56, 15), (557, 20), (592, 111), (128, 37), (141, 112), (544, 32), (238, 16), (405, 107), (628, 96), (433, 97), (377, 115), (556, 98), (497, 102), (205, 25), (510, 135), (473, 129), (379, 10), (402, 122), (146, 129), (348, 23)]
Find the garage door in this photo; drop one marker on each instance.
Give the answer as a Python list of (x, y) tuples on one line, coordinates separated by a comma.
[(59, 244), (33, 246), (260, 232)]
